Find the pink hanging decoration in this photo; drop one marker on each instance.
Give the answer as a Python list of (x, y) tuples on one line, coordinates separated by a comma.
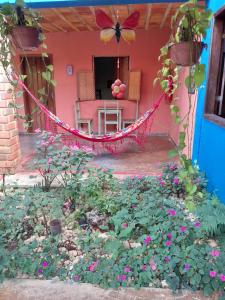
[(118, 89)]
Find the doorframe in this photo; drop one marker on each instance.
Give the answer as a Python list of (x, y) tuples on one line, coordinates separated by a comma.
[(38, 55)]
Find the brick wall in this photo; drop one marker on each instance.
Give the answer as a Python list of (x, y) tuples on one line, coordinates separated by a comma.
[(9, 139)]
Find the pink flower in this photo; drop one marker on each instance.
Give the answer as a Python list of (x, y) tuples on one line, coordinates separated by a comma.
[(169, 236), (176, 180), (147, 240), (121, 278), (222, 277), (173, 167), (127, 269), (162, 182), (44, 264), (153, 266), (171, 212), (197, 224), (215, 253), (168, 243), (183, 228), (92, 266), (140, 176), (124, 225), (76, 278), (74, 147), (144, 267), (38, 130), (49, 160), (212, 274)]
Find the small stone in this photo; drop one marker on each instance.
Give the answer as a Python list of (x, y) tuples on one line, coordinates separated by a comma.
[(212, 243), (135, 245), (164, 284), (73, 253)]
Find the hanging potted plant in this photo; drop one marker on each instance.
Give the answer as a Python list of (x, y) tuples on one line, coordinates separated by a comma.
[(21, 27), (189, 25)]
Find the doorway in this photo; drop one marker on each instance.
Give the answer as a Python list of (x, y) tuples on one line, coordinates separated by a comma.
[(32, 67), (106, 72)]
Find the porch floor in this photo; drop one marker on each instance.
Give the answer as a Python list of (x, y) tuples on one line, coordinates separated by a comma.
[(144, 160)]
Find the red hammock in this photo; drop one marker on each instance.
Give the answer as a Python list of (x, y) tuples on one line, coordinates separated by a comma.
[(105, 140)]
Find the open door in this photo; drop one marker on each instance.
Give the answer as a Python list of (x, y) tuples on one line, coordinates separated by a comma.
[(33, 66)]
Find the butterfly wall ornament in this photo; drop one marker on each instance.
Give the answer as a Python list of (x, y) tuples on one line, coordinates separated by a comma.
[(109, 29)]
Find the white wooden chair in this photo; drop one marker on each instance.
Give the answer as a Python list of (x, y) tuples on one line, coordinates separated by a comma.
[(80, 122), (111, 109)]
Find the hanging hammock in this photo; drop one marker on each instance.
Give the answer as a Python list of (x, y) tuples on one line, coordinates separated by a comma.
[(132, 131)]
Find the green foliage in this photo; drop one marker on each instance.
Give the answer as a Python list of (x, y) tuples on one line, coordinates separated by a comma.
[(212, 215), (59, 163)]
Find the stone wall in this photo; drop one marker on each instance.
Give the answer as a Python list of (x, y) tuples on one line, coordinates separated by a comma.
[(9, 139)]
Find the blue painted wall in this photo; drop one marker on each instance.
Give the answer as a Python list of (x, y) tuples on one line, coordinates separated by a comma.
[(209, 139)]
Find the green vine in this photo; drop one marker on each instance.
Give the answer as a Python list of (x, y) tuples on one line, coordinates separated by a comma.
[(189, 24), (12, 16)]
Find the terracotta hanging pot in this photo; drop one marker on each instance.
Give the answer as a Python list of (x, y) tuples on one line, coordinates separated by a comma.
[(26, 38), (55, 227), (186, 53)]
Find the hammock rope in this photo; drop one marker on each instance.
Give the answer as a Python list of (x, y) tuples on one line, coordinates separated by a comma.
[(120, 135)]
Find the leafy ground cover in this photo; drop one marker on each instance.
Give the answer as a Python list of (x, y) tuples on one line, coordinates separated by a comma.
[(138, 232)]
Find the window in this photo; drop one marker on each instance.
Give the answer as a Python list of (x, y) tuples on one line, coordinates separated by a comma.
[(215, 98), (106, 71)]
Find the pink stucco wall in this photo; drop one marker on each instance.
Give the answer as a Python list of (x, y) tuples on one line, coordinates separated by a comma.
[(185, 104), (78, 48)]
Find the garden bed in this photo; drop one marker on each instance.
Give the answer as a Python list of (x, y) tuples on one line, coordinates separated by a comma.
[(136, 233)]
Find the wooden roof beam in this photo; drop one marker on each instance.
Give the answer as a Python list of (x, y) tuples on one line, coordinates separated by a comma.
[(148, 16), (81, 19), (168, 9), (62, 17), (53, 25)]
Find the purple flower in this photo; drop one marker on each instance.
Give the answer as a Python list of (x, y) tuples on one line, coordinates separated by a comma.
[(212, 274), (147, 240), (167, 259), (183, 228), (127, 269), (169, 236), (76, 278), (124, 225), (133, 206), (176, 180), (44, 264), (197, 224), (40, 271), (187, 267), (171, 212), (222, 277), (168, 243), (121, 278), (144, 267), (215, 253)]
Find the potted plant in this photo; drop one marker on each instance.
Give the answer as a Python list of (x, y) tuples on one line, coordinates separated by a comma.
[(22, 28), (189, 25)]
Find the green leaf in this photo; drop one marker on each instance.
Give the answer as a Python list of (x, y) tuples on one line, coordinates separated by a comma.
[(199, 74), (173, 153)]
